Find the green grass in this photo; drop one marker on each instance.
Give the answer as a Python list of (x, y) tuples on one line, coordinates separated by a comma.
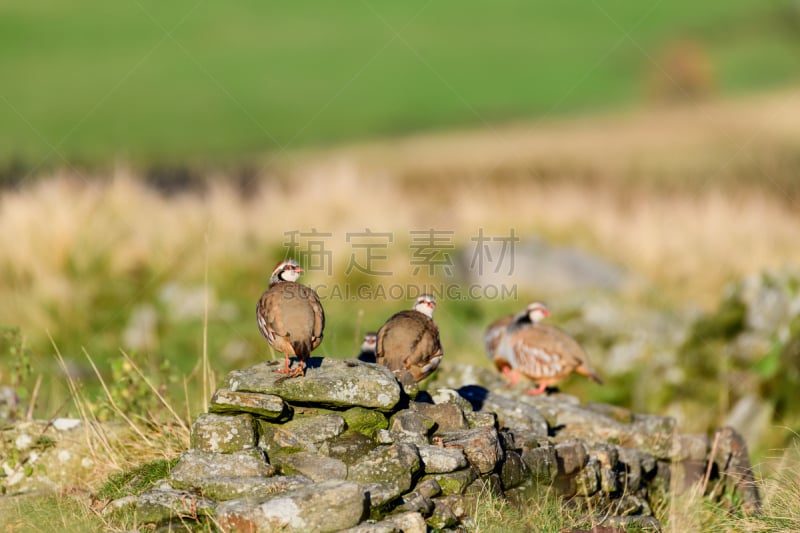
[(207, 81)]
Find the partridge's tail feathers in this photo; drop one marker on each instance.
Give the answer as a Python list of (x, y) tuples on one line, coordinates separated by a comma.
[(589, 373), (302, 349)]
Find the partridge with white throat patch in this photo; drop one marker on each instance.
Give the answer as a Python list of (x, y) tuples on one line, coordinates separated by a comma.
[(290, 316)]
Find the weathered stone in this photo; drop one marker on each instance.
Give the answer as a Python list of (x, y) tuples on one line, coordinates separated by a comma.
[(447, 416), (266, 406), (231, 487), (311, 465), (460, 375), (315, 429), (442, 516), (615, 412), (408, 522), (382, 436), (571, 457), (513, 471), (223, 433), (587, 481), (485, 485), (445, 396), (733, 463), (634, 473), (160, 505), (409, 426), (365, 421), (304, 433), (454, 482), (196, 467), (542, 463), (420, 499), (326, 506), (124, 505), (395, 466), (481, 419), (348, 447), (511, 413), (328, 382), (439, 460), (480, 445), (689, 447), (380, 494), (607, 457)]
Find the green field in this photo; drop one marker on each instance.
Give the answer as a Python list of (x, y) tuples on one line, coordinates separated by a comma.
[(147, 81)]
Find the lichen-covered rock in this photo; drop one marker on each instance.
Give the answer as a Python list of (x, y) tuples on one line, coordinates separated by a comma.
[(410, 426), (311, 465), (269, 406), (197, 467), (446, 416), (445, 396), (365, 421), (160, 505), (454, 482), (481, 419), (571, 457), (348, 447), (440, 460), (328, 382), (229, 488), (513, 471), (395, 465), (223, 433), (326, 506), (408, 522), (480, 445), (442, 516), (542, 462)]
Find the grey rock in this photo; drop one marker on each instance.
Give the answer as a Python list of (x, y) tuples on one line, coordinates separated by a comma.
[(449, 396), (159, 505), (267, 406), (328, 383), (542, 463), (344, 504), (311, 465), (480, 445), (196, 467), (440, 460), (420, 499), (511, 413), (395, 466), (411, 427), (571, 457), (732, 461), (443, 515), (223, 433), (454, 482), (513, 471), (382, 436), (232, 487), (482, 486), (348, 447), (407, 522), (121, 505), (481, 419), (447, 416), (689, 447)]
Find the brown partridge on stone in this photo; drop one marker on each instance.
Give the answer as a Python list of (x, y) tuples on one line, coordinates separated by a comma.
[(290, 316), (541, 353), (408, 343), (368, 347), (497, 329)]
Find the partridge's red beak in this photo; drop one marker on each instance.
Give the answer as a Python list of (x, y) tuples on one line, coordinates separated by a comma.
[(298, 268)]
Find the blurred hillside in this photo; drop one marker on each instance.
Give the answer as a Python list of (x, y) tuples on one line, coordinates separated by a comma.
[(159, 83)]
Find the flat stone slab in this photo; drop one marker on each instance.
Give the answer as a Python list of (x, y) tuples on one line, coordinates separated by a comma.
[(311, 465), (266, 406), (326, 506), (161, 505), (394, 466), (440, 460), (196, 467), (328, 383), (232, 487), (481, 446)]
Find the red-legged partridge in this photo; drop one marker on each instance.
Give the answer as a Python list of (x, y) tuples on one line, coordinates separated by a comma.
[(497, 330), (290, 316), (368, 347), (408, 343), (540, 352)]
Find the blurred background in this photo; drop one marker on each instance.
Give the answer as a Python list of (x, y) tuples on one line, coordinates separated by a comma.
[(633, 163)]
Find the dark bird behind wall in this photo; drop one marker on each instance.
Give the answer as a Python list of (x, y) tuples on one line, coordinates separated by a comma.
[(408, 343), (290, 316)]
